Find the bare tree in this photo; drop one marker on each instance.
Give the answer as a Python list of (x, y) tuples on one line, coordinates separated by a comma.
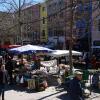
[(96, 9), (14, 8)]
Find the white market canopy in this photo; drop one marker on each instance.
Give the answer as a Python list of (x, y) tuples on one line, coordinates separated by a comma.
[(29, 49), (60, 53)]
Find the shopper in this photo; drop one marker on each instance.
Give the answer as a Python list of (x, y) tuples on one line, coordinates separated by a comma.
[(9, 68), (75, 89), (93, 62), (3, 81)]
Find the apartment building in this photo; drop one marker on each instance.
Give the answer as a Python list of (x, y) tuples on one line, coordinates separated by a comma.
[(30, 28), (96, 25), (43, 23), (83, 24), (57, 20)]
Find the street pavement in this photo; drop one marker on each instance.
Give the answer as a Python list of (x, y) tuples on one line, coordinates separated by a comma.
[(51, 93)]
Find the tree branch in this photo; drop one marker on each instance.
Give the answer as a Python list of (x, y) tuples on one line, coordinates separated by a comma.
[(15, 4)]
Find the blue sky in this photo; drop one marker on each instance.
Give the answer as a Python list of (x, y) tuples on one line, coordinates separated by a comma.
[(39, 0), (6, 6)]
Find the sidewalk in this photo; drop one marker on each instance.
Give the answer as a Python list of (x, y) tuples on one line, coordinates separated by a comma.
[(48, 94), (94, 96)]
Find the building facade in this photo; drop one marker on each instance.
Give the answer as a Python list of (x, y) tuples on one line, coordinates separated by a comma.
[(83, 24), (96, 25), (43, 23), (30, 28), (50, 21), (59, 20)]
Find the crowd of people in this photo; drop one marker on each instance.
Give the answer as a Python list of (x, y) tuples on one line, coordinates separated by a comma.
[(89, 62), (6, 68), (7, 65)]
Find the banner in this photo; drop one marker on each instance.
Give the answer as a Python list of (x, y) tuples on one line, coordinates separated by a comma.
[(50, 63)]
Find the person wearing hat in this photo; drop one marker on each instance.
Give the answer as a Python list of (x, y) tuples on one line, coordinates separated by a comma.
[(75, 89)]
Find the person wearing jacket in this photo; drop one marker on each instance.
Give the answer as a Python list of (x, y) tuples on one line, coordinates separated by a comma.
[(3, 80), (9, 68), (75, 88)]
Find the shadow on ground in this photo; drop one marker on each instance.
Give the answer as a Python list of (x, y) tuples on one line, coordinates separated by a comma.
[(95, 90), (53, 95), (19, 88), (22, 89), (64, 96)]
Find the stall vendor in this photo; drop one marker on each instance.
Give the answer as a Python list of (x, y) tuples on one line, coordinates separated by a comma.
[(37, 63)]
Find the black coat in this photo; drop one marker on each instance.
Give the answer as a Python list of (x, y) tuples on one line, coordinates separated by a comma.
[(9, 66), (75, 89), (1, 77)]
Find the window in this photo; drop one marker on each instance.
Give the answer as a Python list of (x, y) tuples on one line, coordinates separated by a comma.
[(96, 43), (60, 2), (43, 32), (43, 20), (48, 18), (55, 4), (49, 6), (61, 15), (99, 25), (50, 32), (43, 8), (55, 32)]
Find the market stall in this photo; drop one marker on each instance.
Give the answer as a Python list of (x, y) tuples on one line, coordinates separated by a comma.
[(24, 74), (63, 55), (60, 53), (27, 49)]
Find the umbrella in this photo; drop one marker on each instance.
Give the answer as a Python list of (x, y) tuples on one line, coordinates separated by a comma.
[(30, 49)]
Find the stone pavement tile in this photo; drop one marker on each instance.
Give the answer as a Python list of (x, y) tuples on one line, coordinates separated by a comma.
[(94, 96), (51, 93), (23, 95)]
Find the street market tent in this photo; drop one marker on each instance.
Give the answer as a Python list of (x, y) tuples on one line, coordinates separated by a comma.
[(60, 53), (29, 49)]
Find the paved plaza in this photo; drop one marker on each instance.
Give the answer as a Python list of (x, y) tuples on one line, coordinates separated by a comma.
[(51, 93)]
